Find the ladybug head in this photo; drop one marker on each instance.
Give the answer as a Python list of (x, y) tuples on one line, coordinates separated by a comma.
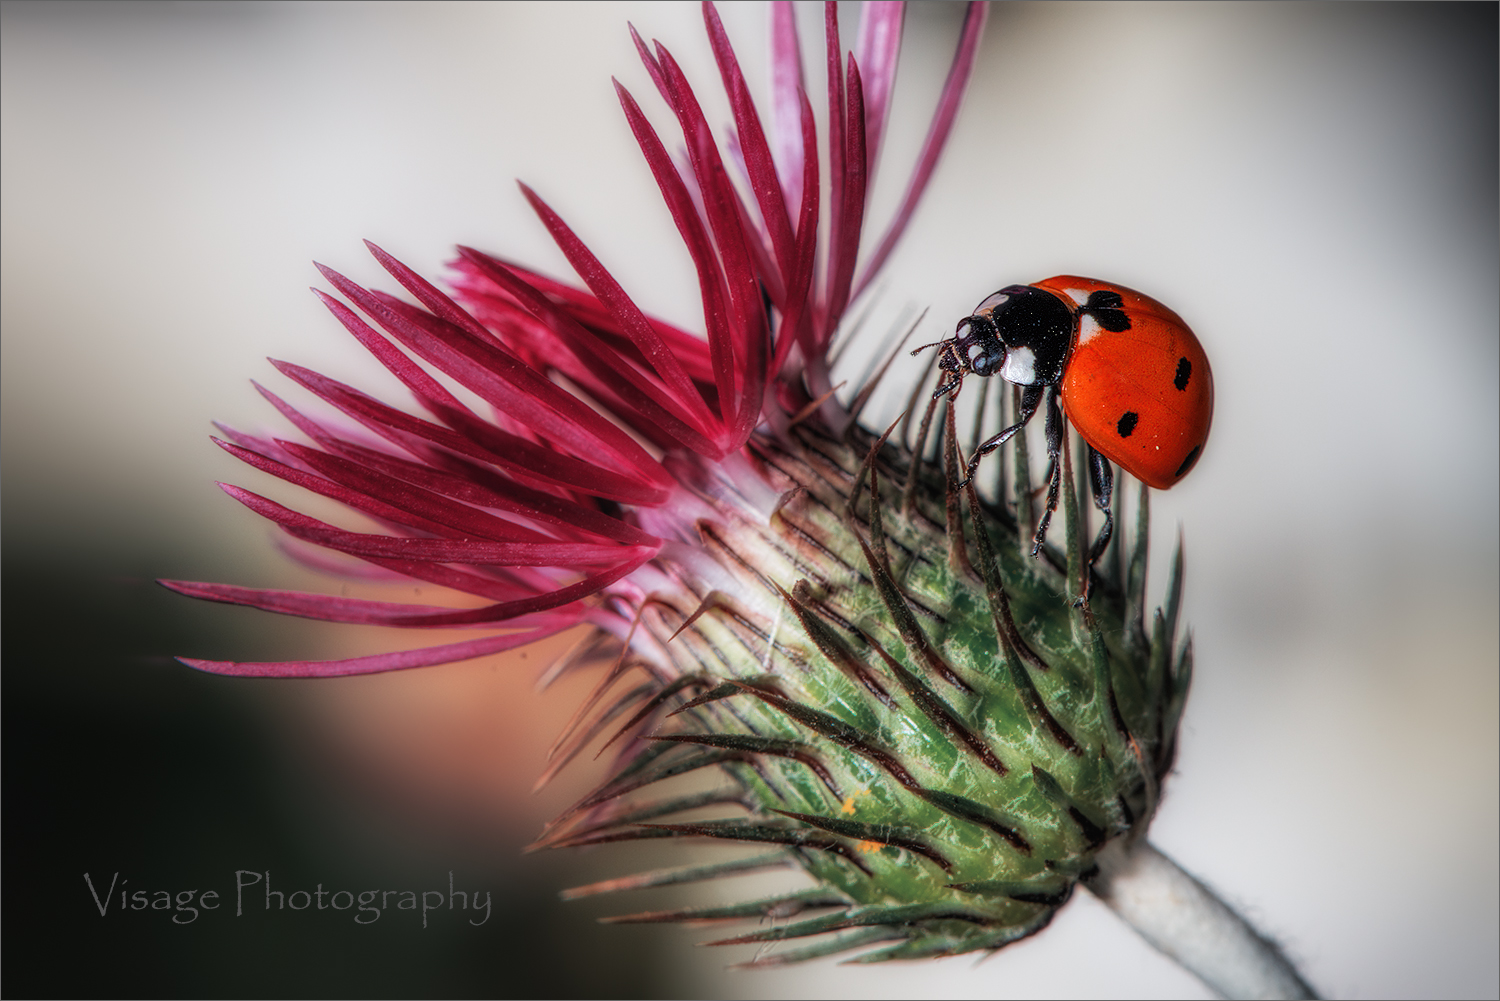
[(1022, 332), (975, 345)]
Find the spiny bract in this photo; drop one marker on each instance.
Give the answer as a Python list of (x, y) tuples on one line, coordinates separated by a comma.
[(909, 707)]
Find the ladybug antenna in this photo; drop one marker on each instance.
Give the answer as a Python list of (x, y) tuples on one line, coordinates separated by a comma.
[(924, 347)]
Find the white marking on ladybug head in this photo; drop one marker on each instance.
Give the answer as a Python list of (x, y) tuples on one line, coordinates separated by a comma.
[(1019, 367), (1088, 329), (1078, 295), (988, 306), (975, 351)]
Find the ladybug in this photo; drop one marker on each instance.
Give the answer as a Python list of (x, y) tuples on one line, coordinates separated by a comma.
[(1129, 373)]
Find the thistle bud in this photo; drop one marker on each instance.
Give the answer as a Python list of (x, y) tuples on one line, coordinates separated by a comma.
[(899, 700)]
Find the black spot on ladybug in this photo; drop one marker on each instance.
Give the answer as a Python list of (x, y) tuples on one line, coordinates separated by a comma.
[(1184, 371), (1187, 463), (1108, 310), (1126, 427)]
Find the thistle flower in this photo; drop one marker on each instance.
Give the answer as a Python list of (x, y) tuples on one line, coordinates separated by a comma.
[(896, 698)]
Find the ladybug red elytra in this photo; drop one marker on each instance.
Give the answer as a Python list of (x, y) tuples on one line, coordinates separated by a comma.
[(1131, 376)]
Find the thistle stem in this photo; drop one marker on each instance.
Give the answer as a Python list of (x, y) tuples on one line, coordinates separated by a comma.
[(1185, 920)]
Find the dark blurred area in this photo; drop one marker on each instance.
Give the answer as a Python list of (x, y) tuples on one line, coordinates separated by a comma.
[(118, 760)]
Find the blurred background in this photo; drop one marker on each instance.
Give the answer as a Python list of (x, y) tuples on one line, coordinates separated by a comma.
[(1313, 187)]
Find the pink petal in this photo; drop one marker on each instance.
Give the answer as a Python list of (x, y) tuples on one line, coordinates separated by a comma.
[(877, 49), (503, 381), (474, 551), (324, 607), (333, 565), (353, 610), (690, 225), (786, 102), (265, 446), (795, 318), (652, 66), (642, 395), (757, 153), (475, 485), (332, 490), (637, 556), (313, 429), (844, 252), (749, 330), (479, 440), (691, 349), (629, 316), (937, 137), (834, 68), (448, 653), (767, 270), (536, 554), (414, 562)]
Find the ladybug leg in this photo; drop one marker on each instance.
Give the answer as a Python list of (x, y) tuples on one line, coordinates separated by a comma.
[(1054, 475), (952, 371), (949, 387), (1031, 397), (1102, 483)]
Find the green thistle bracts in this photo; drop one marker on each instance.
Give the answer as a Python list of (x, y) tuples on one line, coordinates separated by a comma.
[(907, 706)]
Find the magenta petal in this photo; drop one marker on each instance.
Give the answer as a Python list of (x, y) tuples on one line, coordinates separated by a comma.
[(799, 294), (416, 562), (937, 136), (448, 653), (642, 401), (845, 249), (332, 490), (480, 440), (317, 432), (834, 68), (503, 380), (629, 316), (535, 554), (265, 446), (690, 226), (691, 349), (332, 564), (723, 222), (767, 270), (748, 319), (753, 146), (424, 387), (631, 386), (430, 295), (786, 102), (474, 485), (652, 66), (460, 518), (877, 49), (358, 611), (326, 607), (505, 610)]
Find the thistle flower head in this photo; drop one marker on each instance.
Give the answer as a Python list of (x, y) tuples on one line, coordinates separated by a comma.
[(896, 698)]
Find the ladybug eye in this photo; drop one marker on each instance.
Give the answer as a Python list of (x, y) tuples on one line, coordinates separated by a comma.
[(998, 299), (982, 361)]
